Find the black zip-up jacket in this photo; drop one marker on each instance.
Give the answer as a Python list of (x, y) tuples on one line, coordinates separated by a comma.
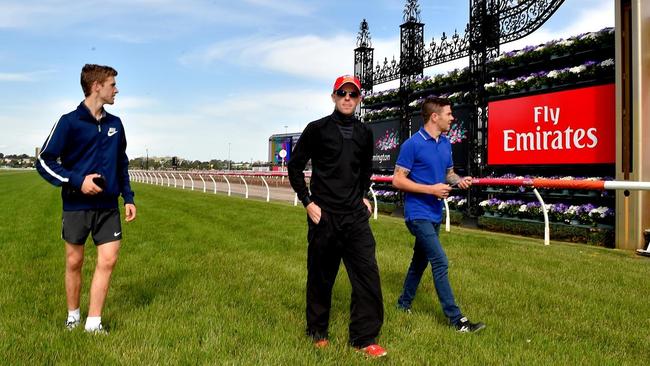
[(341, 168)]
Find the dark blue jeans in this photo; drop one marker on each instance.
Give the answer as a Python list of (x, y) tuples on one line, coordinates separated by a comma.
[(427, 250)]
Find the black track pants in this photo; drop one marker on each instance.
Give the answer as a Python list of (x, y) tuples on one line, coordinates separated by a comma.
[(347, 237)]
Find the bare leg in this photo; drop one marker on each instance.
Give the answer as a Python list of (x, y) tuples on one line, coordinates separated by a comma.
[(74, 259), (106, 259)]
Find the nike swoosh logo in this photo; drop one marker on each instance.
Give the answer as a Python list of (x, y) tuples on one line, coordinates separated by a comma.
[(111, 133), (117, 234)]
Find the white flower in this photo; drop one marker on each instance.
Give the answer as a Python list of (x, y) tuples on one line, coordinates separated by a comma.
[(591, 35), (578, 69), (523, 208), (553, 74), (567, 178), (502, 205), (573, 209), (490, 85), (483, 203), (608, 62), (565, 42), (511, 83), (462, 202), (598, 212)]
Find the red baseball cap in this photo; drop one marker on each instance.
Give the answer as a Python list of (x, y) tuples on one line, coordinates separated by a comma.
[(347, 79)]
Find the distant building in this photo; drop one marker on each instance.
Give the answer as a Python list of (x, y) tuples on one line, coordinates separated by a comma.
[(282, 141)]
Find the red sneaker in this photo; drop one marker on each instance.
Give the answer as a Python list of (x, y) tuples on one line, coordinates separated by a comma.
[(321, 343), (373, 350)]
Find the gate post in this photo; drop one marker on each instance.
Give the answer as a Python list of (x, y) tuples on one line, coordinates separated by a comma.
[(632, 120)]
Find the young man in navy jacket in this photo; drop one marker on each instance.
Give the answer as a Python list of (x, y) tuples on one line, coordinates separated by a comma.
[(85, 154)]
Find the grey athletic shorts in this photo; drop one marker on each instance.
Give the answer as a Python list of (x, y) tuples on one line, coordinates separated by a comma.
[(103, 224)]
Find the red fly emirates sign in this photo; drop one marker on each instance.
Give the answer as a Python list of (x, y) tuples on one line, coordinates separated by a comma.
[(568, 127)]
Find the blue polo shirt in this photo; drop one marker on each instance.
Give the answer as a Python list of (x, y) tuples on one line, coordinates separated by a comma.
[(428, 161)]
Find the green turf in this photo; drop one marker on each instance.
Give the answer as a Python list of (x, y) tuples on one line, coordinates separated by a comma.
[(210, 279)]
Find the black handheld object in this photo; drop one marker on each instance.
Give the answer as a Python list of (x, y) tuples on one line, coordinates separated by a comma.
[(100, 182)]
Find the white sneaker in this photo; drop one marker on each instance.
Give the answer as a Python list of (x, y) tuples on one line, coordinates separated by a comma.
[(72, 323), (99, 330)]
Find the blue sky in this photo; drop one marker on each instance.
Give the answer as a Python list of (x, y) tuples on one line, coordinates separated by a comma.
[(198, 75)]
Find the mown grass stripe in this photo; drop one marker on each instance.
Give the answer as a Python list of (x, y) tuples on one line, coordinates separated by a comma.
[(211, 279)]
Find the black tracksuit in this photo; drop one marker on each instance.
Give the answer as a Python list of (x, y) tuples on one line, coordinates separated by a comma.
[(340, 149)]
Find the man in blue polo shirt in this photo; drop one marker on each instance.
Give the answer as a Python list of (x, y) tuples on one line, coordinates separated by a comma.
[(425, 171)]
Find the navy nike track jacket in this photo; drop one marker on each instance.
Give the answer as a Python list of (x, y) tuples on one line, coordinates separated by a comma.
[(79, 145)]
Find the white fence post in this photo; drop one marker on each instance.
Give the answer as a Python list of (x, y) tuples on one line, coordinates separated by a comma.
[(182, 179), (191, 180), (447, 220), (162, 181), (167, 176), (203, 180), (374, 198), (214, 184), (547, 229), (268, 191), (245, 184), (227, 181), (173, 176)]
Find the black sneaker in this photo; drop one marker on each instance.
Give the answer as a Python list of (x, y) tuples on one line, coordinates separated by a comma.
[(403, 309), (465, 326)]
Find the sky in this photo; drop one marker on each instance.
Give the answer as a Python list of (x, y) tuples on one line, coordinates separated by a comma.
[(211, 79)]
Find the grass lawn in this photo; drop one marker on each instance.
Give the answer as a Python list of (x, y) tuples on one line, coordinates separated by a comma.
[(210, 279)]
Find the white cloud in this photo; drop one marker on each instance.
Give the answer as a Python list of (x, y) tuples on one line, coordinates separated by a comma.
[(141, 21), (31, 76), (133, 103), (4, 76), (246, 121), (308, 56), (291, 7)]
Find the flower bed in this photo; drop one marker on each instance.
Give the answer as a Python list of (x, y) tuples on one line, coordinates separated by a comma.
[(572, 45), (590, 70), (383, 113), (601, 236), (586, 214), (423, 83), (386, 196)]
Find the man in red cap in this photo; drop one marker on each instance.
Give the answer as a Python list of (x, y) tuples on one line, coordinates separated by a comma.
[(340, 148)]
